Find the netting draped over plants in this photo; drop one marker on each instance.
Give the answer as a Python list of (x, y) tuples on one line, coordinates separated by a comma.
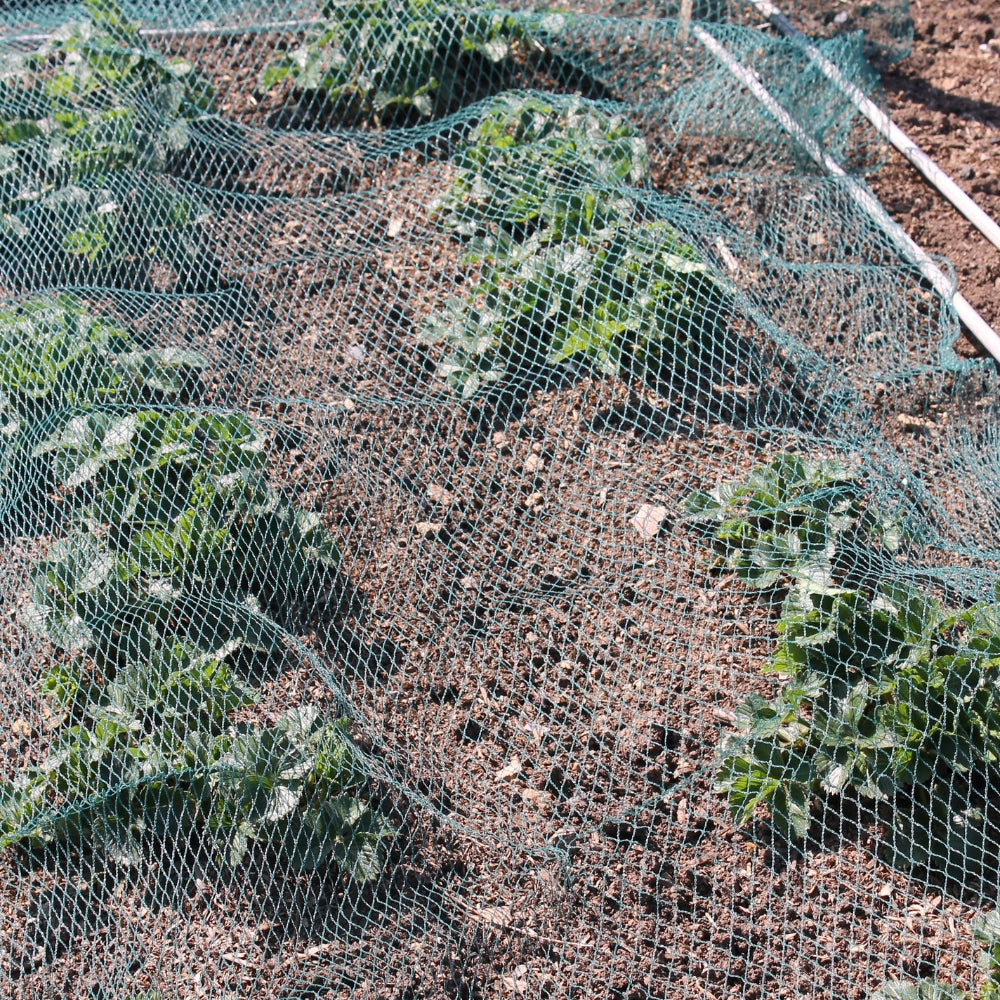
[(484, 515)]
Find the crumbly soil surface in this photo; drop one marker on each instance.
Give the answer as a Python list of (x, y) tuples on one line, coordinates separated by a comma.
[(540, 678), (946, 97)]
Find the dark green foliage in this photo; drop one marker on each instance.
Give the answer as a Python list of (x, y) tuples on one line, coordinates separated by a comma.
[(384, 61), (528, 151), (112, 737), (56, 361), (884, 693), (178, 506), (55, 355), (152, 754), (793, 519), (178, 557), (570, 270), (81, 120), (288, 785), (99, 98), (628, 297)]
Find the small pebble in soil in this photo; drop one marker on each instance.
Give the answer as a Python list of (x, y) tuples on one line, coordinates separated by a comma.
[(438, 494), (648, 519)]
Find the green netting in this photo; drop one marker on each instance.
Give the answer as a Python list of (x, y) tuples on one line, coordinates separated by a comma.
[(484, 515)]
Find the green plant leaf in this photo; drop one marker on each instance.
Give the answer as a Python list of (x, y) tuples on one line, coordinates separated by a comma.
[(99, 104), (919, 989), (376, 58), (882, 692)]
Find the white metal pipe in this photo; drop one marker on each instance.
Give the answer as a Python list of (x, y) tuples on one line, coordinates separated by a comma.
[(40, 37), (861, 194), (885, 126)]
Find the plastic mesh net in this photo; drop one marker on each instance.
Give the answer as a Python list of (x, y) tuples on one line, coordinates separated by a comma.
[(484, 515)]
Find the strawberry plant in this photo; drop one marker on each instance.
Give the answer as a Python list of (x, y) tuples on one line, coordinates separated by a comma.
[(153, 751), (885, 694), (570, 268), (388, 62), (54, 354), (289, 785), (619, 297), (57, 359), (177, 551), (793, 519), (84, 120), (100, 98), (528, 151), (178, 506)]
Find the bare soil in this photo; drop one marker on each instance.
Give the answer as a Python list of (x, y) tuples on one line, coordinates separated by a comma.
[(542, 688), (946, 97)]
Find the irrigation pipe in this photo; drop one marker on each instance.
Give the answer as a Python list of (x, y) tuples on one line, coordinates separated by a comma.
[(40, 37), (862, 195), (885, 126)]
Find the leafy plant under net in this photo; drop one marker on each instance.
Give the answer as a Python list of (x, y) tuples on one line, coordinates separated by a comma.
[(484, 516)]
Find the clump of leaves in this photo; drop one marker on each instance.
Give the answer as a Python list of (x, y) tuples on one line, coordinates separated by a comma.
[(55, 355), (178, 506), (885, 693), (177, 551), (618, 297), (290, 786), (58, 359), (569, 267), (100, 98), (794, 518), (78, 118), (986, 931), (527, 151), (384, 61), (154, 751)]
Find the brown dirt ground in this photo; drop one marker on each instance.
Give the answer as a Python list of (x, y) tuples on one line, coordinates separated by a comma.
[(542, 689), (946, 96)]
